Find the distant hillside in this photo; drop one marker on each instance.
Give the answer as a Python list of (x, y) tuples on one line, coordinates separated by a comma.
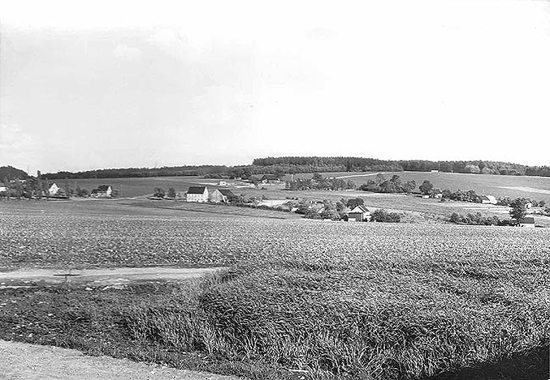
[(287, 165), (174, 171), (360, 164), (10, 172)]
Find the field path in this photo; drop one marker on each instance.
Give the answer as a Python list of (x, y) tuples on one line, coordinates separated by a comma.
[(22, 361), (115, 277)]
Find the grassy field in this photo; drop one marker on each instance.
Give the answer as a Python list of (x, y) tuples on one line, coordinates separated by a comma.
[(500, 186), (322, 300), (413, 209), (138, 187), (537, 188)]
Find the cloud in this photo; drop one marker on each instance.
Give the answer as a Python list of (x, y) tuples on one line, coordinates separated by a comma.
[(127, 53), (222, 106), (18, 148), (168, 42), (320, 34)]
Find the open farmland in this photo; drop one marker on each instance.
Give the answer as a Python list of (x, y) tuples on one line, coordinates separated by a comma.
[(112, 233), (330, 299), (498, 185), (137, 187)]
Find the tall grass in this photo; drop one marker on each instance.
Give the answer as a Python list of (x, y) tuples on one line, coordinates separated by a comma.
[(372, 318)]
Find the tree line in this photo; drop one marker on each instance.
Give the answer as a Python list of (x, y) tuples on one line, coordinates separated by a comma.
[(299, 164), (360, 164)]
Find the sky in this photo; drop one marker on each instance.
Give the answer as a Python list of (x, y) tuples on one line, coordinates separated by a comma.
[(112, 84)]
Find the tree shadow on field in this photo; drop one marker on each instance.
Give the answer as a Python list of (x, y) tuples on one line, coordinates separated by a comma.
[(528, 366)]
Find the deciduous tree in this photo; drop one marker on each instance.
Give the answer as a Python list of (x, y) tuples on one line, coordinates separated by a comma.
[(426, 187), (518, 208), (159, 192)]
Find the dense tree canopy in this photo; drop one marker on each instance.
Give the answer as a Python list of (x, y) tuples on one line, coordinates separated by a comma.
[(313, 164)]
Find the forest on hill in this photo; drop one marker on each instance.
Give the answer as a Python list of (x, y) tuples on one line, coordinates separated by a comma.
[(360, 164), (9, 172), (298, 164)]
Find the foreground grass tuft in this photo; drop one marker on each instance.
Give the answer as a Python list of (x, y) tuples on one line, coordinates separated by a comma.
[(281, 322)]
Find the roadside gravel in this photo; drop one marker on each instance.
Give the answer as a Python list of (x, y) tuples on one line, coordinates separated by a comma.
[(21, 361)]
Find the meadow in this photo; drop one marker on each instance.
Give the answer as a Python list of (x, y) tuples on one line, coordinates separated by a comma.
[(537, 188), (137, 187), (413, 209), (324, 300), (500, 186)]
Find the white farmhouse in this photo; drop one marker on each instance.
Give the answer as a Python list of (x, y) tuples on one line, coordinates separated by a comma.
[(197, 194), (53, 189), (359, 214)]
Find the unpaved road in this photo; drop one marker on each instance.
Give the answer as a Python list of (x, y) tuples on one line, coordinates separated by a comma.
[(99, 277), (21, 361)]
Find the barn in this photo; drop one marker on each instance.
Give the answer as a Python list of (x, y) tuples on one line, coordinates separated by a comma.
[(221, 195), (270, 178), (197, 194), (528, 222)]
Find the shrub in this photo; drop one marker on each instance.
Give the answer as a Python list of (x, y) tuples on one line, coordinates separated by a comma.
[(479, 219), (382, 215)]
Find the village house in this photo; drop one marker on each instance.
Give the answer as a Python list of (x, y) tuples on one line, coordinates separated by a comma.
[(197, 194), (53, 190), (3, 189), (488, 199), (528, 222), (269, 178), (221, 196), (359, 214), (103, 191)]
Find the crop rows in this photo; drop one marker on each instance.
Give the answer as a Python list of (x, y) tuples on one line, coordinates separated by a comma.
[(105, 240)]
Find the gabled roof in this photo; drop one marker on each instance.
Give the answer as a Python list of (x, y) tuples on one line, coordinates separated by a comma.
[(527, 220), (103, 187), (488, 198), (359, 209), (226, 192), (270, 177), (196, 190)]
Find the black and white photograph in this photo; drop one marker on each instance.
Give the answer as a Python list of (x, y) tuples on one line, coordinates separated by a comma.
[(275, 190)]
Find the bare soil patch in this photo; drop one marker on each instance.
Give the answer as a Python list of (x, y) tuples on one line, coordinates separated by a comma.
[(114, 277)]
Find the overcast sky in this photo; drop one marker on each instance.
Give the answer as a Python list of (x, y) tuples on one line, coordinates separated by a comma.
[(105, 84)]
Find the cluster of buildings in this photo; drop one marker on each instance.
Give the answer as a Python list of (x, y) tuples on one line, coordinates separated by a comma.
[(201, 194), (102, 191)]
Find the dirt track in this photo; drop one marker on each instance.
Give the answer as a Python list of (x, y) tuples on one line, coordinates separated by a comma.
[(98, 277), (21, 361)]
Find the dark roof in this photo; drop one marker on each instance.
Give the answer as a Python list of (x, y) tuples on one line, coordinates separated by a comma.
[(270, 177), (363, 208), (227, 192), (196, 190), (103, 187), (528, 220)]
